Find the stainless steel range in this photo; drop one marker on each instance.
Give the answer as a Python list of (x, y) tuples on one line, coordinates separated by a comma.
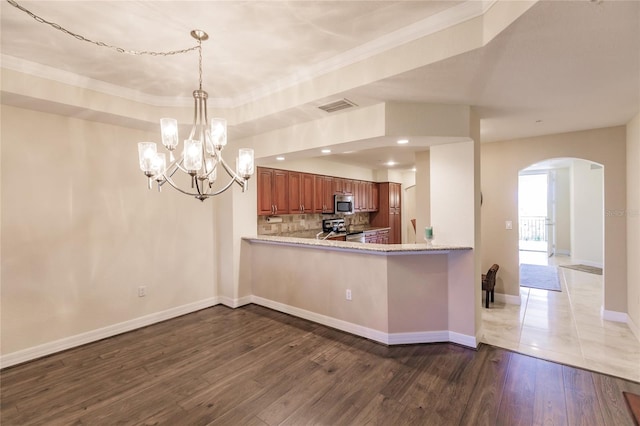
[(335, 225)]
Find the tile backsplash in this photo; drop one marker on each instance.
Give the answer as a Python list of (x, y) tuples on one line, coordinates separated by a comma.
[(293, 223)]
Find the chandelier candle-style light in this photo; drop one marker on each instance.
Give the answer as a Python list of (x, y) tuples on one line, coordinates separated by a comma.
[(201, 155)]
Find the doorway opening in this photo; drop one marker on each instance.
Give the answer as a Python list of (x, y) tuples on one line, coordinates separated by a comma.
[(561, 212)]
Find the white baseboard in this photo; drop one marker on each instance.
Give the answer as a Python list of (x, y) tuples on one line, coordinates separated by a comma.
[(635, 329), (613, 315), (506, 298), (235, 303), (587, 262), (49, 348), (369, 333), (563, 252), (358, 330)]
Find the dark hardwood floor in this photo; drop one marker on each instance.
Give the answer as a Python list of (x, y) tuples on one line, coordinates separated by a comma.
[(254, 366)]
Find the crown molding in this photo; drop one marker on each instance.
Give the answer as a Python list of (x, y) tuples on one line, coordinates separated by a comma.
[(438, 22), (65, 77)]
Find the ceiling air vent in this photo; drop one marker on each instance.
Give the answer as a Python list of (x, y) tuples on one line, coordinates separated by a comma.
[(337, 105)]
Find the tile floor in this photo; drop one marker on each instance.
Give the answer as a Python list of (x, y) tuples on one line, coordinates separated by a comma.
[(565, 326)]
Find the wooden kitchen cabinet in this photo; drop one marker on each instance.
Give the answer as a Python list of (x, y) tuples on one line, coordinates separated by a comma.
[(273, 191), (301, 192), (380, 236), (324, 188), (389, 212)]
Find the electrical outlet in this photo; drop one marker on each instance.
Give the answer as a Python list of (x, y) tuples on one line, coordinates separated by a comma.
[(142, 291), (508, 224), (348, 295)]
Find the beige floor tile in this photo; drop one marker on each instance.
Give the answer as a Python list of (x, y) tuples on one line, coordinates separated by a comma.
[(565, 326)]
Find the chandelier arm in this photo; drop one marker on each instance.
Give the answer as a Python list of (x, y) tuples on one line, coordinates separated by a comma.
[(227, 186), (178, 166), (177, 188), (231, 172)]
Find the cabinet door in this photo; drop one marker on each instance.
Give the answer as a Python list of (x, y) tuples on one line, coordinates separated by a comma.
[(375, 196), (265, 193), (358, 195), (395, 219), (328, 190), (394, 195), (338, 184), (347, 186), (295, 192), (281, 191), (307, 193), (318, 196)]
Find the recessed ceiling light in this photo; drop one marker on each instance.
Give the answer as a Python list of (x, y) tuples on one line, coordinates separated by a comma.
[(390, 163), (403, 141), (280, 158), (414, 169), (326, 151)]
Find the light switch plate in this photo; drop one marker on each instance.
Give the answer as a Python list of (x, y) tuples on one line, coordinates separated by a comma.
[(508, 224)]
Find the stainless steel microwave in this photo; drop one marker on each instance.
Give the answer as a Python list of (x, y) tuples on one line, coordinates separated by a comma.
[(344, 204)]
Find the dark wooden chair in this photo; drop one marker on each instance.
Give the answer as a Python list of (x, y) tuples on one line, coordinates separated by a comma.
[(489, 282)]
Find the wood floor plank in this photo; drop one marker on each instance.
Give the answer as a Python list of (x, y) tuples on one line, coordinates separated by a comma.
[(516, 407), (581, 398), (484, 402), (611, 400), (550, 406), (256, 366)]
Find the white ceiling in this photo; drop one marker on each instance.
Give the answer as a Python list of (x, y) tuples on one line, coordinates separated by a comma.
[(562, 66)]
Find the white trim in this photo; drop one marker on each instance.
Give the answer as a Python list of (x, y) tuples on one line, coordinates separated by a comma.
[(235, 303), (587, 262), (446, 19), (613, 315), (76, 80), (418, 337), (506, 298), (369, 333), (49, 348), (356, 329), (440, 21), (463, 339), (563, 252), (634, 327)]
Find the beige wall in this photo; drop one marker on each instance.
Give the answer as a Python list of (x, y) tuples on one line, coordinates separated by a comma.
[(393, 296), (633, 222), (423, 193), (316, 280), (501, 162), (80, 232)]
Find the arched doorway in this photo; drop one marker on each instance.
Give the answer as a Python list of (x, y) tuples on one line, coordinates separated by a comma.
[(561, 211)]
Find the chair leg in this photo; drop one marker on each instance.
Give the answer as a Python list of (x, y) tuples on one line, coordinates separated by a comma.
[(492, 292), (486, 300)]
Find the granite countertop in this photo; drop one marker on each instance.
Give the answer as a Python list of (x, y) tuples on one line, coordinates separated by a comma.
[(355, 246), (312, 233)]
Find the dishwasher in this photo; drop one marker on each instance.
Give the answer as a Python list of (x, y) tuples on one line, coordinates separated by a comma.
[(356, 237)]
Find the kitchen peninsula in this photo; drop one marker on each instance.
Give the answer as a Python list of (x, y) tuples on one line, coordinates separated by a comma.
[(393, 294)]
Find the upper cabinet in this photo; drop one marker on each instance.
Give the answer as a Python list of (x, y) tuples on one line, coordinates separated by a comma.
[(324, 192), (289, 192), (273, 191), (301, 192)]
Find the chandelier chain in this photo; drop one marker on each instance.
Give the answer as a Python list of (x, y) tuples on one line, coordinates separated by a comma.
[(200, 62), (100, 43)]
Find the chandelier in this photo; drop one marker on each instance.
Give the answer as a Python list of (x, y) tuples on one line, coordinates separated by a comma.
[(201, 155)]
